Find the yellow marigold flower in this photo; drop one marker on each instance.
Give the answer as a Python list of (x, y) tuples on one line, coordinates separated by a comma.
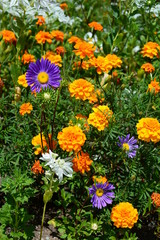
[(148, 67), (71, 138), (25, 108), (150, 50), (156, 199), (27, 58), (43, 37), (74, 39), (99, 179), (84, 49), (124, 215), (60, 50), (82, 162), (84, 65), (58, 35), (95, 26), (148, 129), (63, 6), (100, 117), (53, 58), (41, 20), (22, 80), (81, 89), (36, 142), (8, 36), (101, 64), (37, 168), (154, 87), (114, 60)]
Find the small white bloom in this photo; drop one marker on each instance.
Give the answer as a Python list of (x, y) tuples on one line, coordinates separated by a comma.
[(94, 226)]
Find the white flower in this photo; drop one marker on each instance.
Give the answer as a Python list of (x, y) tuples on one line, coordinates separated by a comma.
[(59, 166), (94, 226)]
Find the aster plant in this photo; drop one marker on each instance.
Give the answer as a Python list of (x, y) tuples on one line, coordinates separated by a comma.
[(102, 194), (128, 145), (43, 74)]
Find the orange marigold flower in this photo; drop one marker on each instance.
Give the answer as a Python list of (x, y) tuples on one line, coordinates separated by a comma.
[(37, 143), (81, 89), (71, 138), (58, 35), (148, 67), (37, 168), (148, 129), (124, 215), (101, 64), (114, 60), (84, 49), (154, 87), (99, 179), (25, 108), (74, 39), (8, 36), (63, 6), (95, 26), (27, 58), (100, 117), (41, 20), (82, 162), (60, 50), (43, 37), (150, 50), (156, 199), (53, 58), (114, 74), (84, 65), (22, 80), (95, 96)]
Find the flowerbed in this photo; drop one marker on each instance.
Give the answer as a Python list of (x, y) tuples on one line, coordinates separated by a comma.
[(80, 118)]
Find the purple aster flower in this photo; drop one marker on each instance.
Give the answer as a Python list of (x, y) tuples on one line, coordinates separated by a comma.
[(101, 194), (128, 145), (43, 74)]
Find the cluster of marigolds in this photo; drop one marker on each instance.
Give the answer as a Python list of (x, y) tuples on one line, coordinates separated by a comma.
[(72, 138)]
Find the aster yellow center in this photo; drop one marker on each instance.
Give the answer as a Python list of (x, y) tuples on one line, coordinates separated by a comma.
[(43, 77), (99, 192), (125, 146)]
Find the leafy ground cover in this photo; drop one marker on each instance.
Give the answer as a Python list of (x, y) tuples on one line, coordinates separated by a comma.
[(79, 120)]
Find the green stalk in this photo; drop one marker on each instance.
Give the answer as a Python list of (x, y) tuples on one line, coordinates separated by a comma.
[(44, 210)]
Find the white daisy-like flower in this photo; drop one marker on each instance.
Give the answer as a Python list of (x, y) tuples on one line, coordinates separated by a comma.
[(59, 166)]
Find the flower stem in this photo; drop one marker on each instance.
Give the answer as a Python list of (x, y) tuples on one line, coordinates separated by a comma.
[(44, 210)]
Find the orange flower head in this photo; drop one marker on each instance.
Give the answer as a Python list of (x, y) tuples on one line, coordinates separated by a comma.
[(22, 80), (124, 215), (63, 6), (81, 89), (82, 162), (101, 64), (84, 65), (95, 96), (74, 39), (84, 49), (41, 20), (8, 36), (114, 60), (42, 37), (150, 50), (95, 26), (37, 143), (154, 87), (60, 50), (100, 117), (99, 179), (114, 74), (37, 168), (148, 129), (25, 108), (156, 199), (148, 67), (58, 35), (71, 138), (53, 58), (27, 58)]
